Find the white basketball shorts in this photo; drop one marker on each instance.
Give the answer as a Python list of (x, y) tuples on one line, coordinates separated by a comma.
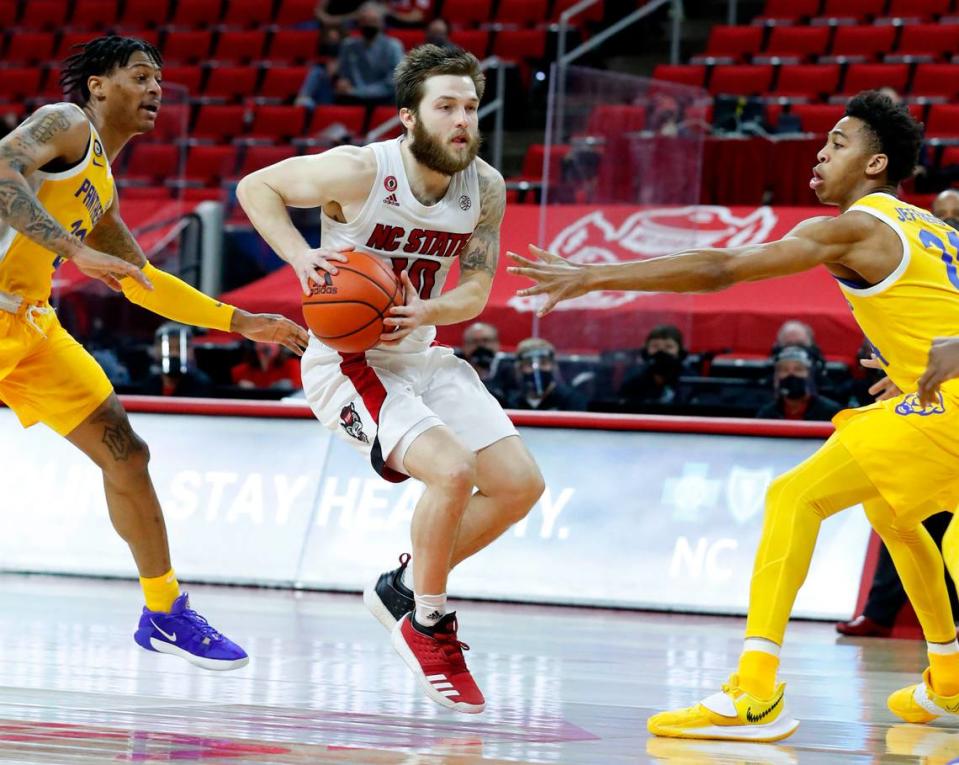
[(381, 400)]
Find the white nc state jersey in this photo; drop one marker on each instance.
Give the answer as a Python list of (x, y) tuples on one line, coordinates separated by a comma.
[(422, 240)]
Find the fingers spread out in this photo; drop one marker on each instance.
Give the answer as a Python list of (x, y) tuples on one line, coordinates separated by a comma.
[(548, 306), (545, 255), (536, 289), (518, 259)]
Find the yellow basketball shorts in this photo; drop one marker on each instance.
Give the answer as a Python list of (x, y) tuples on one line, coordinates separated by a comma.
[(45, 375), (910, 454)]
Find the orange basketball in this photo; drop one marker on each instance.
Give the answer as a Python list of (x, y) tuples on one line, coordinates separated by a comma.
[(345, 310)]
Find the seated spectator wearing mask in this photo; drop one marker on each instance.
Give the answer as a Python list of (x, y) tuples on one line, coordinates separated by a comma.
[(798, 333), (657, 380), (481, 350), (364, 70), (267, 366), (794, 386), (538, 387), (438, 33), (176, 372)]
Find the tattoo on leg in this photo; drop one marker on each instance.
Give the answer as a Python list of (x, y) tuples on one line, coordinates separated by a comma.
[(118, 435)]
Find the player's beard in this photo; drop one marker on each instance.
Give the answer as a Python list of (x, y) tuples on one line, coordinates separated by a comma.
[(432, 152)]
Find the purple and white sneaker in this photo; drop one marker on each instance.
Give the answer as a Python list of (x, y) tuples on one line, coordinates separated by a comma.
[(184, 633)]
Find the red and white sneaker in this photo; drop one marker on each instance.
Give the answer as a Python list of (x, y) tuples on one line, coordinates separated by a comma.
[(436, 658)]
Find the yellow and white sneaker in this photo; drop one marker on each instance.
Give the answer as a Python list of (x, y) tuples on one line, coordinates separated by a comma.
[(730, 715), (689, 752), (921, 704)]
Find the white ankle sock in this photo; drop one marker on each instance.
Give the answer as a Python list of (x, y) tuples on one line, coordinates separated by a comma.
[(429, 609), (762, 645)]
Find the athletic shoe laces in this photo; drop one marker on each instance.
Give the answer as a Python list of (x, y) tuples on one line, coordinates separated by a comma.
[(200, 624)]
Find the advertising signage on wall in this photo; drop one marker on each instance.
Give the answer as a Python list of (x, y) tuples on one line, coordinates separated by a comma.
[(665, 521)]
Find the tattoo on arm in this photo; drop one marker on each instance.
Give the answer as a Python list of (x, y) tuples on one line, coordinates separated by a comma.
[(19, 206), (112, 236), (47, 126), (14, 155), (482, 252)]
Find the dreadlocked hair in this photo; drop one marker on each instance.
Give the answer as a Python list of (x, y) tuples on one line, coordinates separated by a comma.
[(99, 57)]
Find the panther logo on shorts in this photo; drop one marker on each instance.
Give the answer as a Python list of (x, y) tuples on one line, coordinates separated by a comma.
[(352, 424), (910, 405)]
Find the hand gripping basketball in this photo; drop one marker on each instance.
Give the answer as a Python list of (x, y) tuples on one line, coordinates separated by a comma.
[(310, 262), (345, 310)]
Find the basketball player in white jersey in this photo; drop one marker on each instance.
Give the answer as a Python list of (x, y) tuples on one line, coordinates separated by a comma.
[(414, 409)]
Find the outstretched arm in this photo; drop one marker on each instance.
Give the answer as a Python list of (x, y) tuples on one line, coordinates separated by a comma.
[(478, 262), (813, 242), (174, 299)]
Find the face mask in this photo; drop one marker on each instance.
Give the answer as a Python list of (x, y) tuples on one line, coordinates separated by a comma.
[(482, 357), (369, 32), (537, 382), (793, 387), (954, 222), (665, 364)]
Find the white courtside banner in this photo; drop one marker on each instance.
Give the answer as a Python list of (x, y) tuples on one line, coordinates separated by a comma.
[(665, 521)]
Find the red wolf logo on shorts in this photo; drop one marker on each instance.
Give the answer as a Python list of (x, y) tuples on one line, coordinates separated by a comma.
[(352, 424)]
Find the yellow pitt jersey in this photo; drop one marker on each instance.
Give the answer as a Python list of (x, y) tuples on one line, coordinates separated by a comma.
[(76, 198), (918, 301)]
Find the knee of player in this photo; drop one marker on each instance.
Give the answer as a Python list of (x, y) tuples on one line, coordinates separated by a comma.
[(134, 457), (457, 474), (524, 489)]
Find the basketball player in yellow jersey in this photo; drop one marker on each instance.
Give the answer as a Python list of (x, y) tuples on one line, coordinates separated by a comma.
[(897, 266), (58, 201)]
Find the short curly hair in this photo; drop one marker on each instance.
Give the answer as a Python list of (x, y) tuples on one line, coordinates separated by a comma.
[(895, 132)]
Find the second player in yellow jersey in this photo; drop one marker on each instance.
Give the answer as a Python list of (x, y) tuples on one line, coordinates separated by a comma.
[(897, 268)]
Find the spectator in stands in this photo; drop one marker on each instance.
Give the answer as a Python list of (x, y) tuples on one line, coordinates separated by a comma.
[(337, 13), (794, 389), (318, 86), (364, 70), (481, 350), (267, 366), (409, 13), (438, 33), (538, 387), (176, 372), (795, 332), (657, 380), (946, 207)]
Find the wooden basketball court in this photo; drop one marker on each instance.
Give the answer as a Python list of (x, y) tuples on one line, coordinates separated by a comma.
[(324, 686)]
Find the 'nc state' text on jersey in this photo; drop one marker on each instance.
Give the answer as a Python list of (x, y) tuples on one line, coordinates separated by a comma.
[(441, 244)]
